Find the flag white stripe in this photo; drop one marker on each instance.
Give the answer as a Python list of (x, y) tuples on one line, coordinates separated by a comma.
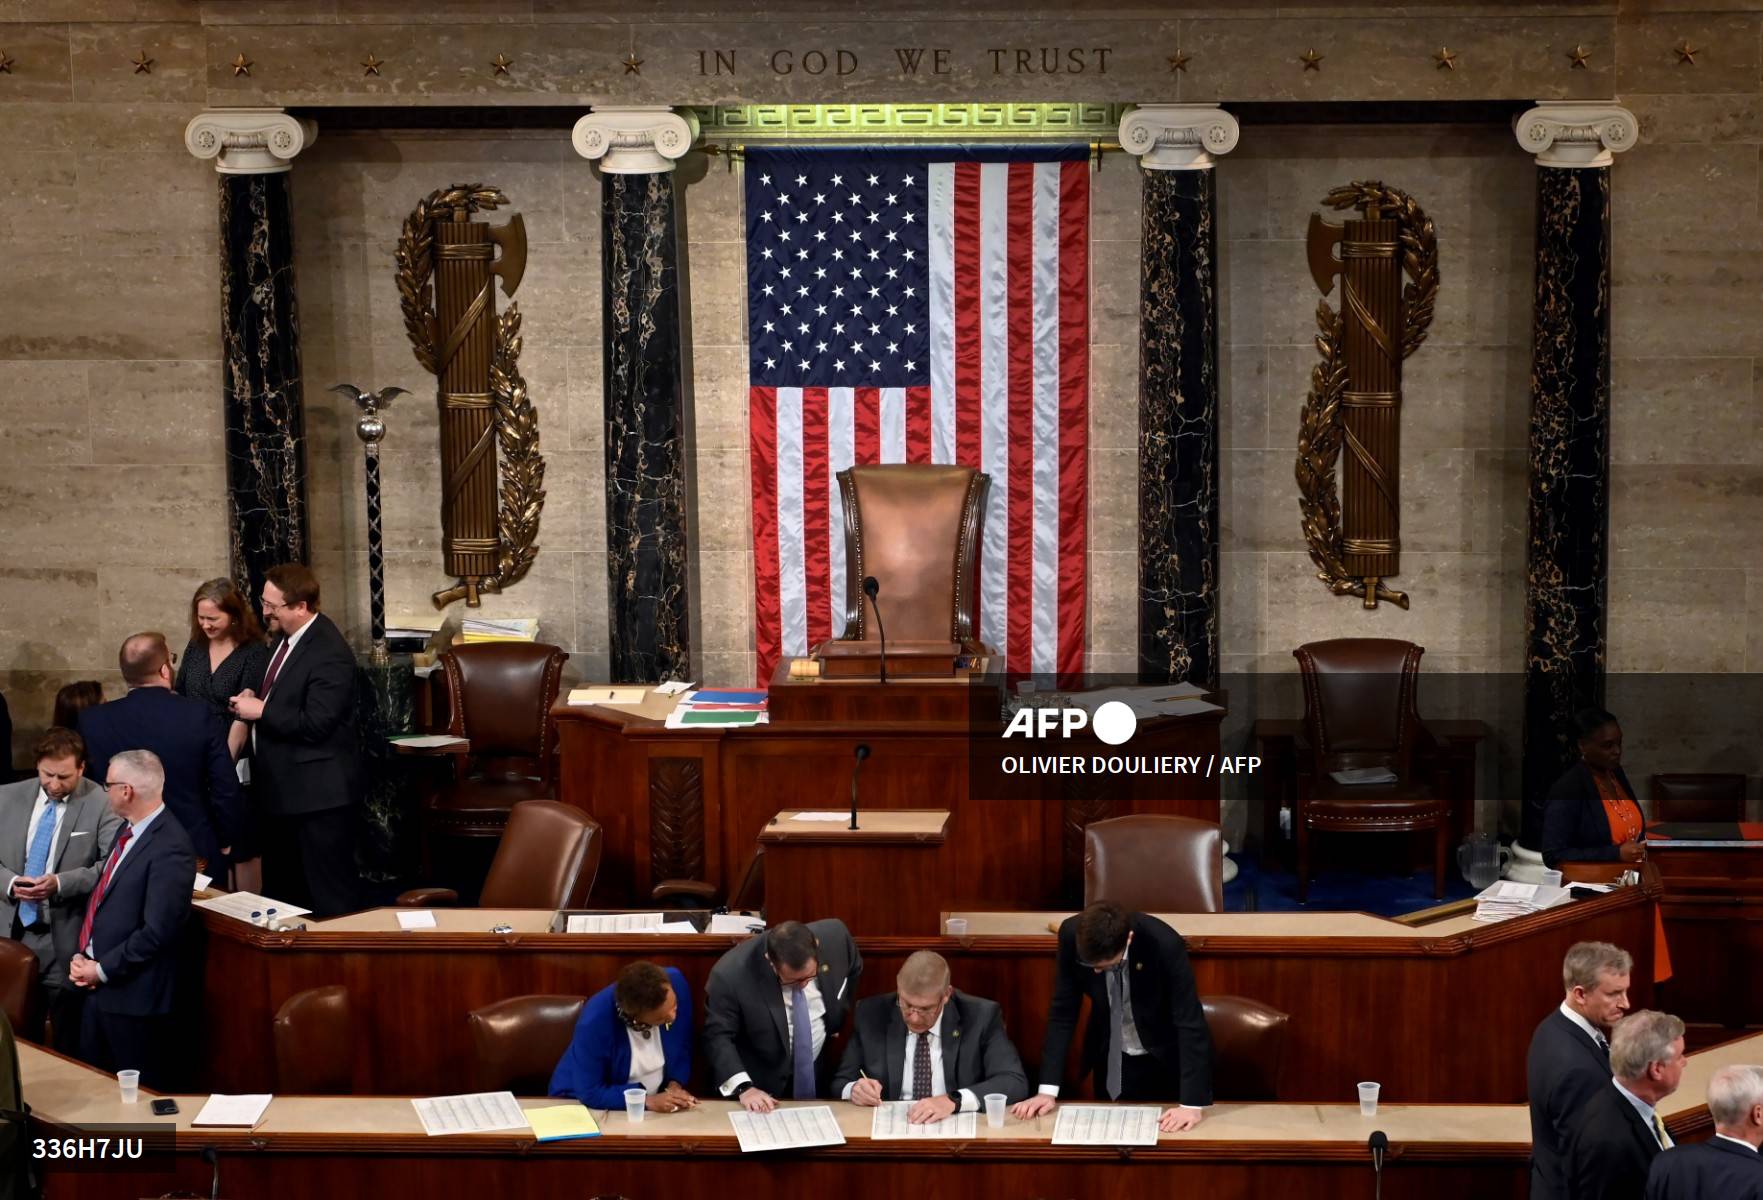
[(893, 425), (1045, 224), (792, 579), (994, 320), (941, 251), (841, 452)]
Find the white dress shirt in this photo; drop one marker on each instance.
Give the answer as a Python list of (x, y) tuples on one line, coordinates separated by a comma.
[(1596, 1034), (137, 828), (1737, 1141), (648, 1059), (58, 811), (966, 1102), (816, 1030), (1648, 1117)]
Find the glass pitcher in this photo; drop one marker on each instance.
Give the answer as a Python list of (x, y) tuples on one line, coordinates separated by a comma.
[(1482, 859)]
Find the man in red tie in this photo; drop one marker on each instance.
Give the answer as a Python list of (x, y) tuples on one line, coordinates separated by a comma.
[(127, 957), (307, 766)]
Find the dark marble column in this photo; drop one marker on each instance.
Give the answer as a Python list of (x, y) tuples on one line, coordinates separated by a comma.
[(260, 334), (1178, 389), (1567, 561), (647, 552)]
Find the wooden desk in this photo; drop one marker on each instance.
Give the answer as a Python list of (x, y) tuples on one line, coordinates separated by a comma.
[(690, 803), (1440, 1013), (1712, 909), (882, 878), (353, 1146)]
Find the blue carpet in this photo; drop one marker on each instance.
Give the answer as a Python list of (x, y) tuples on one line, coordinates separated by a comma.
[(1336, 889)]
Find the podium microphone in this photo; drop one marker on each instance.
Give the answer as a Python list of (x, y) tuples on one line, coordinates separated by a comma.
[(1378, 1143), (872, 589), (860, 753)]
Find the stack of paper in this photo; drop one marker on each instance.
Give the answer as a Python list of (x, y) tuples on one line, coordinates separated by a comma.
[(428, 741), (639, 922), (241, 1112), (738, 924), (1106, 1125), (618, 697), (890, 1123), (250, 907), (1507, 898), (560, 1122), (503, 629), (725, 708), (787, 1129), (479, 1112)]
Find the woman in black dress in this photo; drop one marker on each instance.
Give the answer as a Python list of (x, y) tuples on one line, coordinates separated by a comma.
[(226, 653)]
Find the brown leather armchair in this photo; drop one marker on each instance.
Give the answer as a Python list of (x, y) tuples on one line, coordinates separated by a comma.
[(315, 1043), (517, 1043), (1248, 1047), (21, 989), (916, 528), (1155, 864), (1359, 711), (499, 697), (548, 858), (1704, 797), (748, 896)]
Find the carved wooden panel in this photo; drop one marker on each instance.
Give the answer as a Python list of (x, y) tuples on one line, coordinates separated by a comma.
[(1086, 799), (676, 818)]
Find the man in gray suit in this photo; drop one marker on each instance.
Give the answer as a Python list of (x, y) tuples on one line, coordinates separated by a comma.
[(928, 1043), (55, 831), (772, 1004)]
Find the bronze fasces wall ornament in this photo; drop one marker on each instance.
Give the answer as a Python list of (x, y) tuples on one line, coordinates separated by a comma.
[(1389, 274), (447, 270)]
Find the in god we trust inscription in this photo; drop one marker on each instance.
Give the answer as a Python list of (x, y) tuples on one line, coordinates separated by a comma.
[(909, 61)]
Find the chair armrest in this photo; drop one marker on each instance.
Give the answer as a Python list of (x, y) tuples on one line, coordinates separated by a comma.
[(427, 897), (704, 894)]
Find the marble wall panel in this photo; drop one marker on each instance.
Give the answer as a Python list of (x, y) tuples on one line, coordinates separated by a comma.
[(1728, 62), (44, 409), (41, 68), (49, 616), (104, 69), (133, 308), (1685, 410), (156, 413), (1679, 622)]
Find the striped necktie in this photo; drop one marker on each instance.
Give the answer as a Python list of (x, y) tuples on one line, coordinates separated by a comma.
[(36, 859)]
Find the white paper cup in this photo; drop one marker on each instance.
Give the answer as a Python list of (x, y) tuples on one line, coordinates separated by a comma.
[(635, 1104), (130, 1083), (1368, 1099), (995, 1109), (1551, 879), (957, 926)]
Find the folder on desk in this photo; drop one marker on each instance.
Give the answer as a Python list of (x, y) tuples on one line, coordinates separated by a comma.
[(561, 1122)]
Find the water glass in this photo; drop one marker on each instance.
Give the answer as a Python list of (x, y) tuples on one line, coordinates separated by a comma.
[(995, 1109), (130, 1083), (1368, 1099), (636, 1102)]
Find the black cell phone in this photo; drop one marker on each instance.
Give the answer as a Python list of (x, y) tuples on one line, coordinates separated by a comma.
[(164, 1108)]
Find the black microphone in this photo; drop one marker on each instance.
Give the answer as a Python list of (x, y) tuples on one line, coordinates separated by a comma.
[(1378, 1143), (860, 753), (872, 589), (211, 1156)]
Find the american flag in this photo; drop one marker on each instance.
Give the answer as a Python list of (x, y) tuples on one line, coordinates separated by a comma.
[(921, 306)]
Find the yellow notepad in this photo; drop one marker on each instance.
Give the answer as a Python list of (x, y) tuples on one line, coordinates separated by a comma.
[(561, 1121)]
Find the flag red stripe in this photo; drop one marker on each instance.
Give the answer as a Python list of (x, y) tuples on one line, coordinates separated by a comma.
[(918, 424), (816, 558), (1074, 387), (1019, 329), (866, 442), (967, 327), (762, 457)]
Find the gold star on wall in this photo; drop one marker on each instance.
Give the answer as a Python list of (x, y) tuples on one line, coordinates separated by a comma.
[(6, 61), (143, 64), (1179, 61), (1446, 59), (371, 65), (501, 62), (1312, 60), (1579, 55), (241, 66), (1686, 53), (632, 64)]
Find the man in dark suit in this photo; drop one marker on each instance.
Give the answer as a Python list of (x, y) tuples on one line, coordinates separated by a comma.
[(128, 943), (187, 736), (307, 758), (1727, 1165), (1147, 1037), (1570, 1055), (1619, 1132), (772, 1004), (54, 833), (928, 1043)]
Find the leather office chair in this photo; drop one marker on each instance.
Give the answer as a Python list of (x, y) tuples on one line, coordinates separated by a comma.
[(1248, 1047), (548, 857), (21, 990), (748, 896), (1155, 864), (517, 1043), (916, 528), (499, 698), (1705, 797), (315, 1043), (1359, 711)]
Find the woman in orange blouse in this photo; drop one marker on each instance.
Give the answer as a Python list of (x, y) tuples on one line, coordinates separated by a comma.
[(1592, 815)]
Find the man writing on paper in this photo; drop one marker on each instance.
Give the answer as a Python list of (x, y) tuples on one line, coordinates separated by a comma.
[(771, 1005), (1570, 1055), (1147, 1039), (930, 1044)]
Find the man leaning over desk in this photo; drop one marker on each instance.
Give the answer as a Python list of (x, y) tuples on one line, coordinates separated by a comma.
[(928, 1043)]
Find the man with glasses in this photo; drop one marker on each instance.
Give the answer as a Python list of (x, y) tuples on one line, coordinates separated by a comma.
[(772, 1004), (55, 830), (925, 1042), (307, 763), (1147, 1038), (189, 738)]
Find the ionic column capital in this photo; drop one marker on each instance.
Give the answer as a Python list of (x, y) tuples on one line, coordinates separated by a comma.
[(1178, 137), (1576, 133), (642, 140), (248, 141)]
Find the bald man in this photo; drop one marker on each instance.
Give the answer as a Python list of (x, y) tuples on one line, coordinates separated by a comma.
[(187, 736)]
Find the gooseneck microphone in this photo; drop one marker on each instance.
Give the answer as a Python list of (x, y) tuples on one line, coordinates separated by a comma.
[(860, 753), (872, 589), (1378, 1143)]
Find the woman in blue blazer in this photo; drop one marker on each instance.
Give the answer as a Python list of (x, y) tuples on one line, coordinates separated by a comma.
[(635, 1033)]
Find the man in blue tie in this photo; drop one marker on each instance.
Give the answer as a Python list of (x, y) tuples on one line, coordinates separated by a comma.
[(55, 830), (772, 1004)]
